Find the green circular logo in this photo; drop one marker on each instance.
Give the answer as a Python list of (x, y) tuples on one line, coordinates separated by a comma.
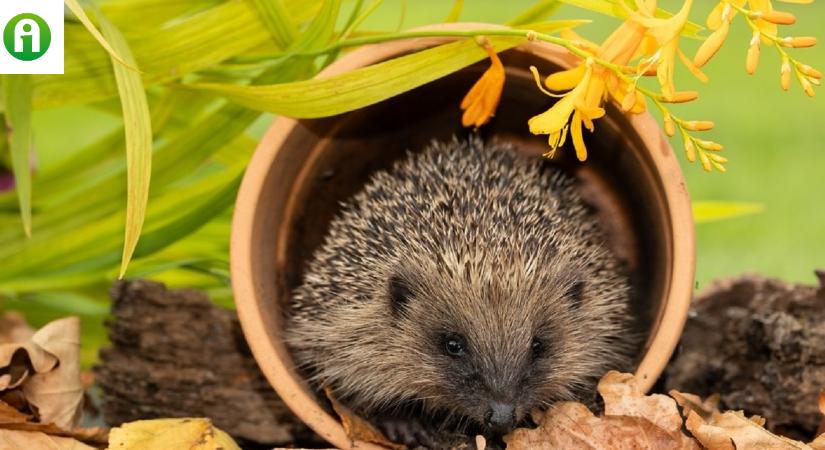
[(27, 36)]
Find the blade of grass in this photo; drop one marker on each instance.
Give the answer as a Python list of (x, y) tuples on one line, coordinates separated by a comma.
[(321, 29), (77, 10), (274, 15), (17, 94), (455, 11), (194, 43), (138, 128), (352, 27), (361, 87), (712, 211), (536, 13)]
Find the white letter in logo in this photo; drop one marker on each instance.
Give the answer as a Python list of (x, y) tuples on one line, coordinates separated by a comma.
[(26, 27)]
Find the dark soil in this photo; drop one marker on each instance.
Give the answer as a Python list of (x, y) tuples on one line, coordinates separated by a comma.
[(175, 354), (760, 344)]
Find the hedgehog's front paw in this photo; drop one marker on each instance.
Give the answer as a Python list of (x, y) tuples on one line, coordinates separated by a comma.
[(407, 431)]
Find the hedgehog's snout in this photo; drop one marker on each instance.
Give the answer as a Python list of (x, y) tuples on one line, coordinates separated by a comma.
[(501, 416)]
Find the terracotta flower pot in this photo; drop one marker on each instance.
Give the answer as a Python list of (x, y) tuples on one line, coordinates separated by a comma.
[(302, 169)]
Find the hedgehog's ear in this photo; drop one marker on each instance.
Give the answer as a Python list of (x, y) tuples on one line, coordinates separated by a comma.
[(575, 293), (400, 293)]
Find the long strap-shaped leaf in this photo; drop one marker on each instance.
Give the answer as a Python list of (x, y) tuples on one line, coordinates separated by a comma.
[(277, 20), (361, 87), (17, 94), (75, 7), (138, 127)]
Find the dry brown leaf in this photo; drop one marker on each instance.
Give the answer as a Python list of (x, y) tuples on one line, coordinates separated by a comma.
[(571, 425), (13, 328), (57, 394), (167, 434), (731, 430), (818, 443), (19, 356), (623, 397), (12, 419), (35, 440), (631, 420), (9, 415), (691, 402), (358, 429), (481, 442), (821, 429)]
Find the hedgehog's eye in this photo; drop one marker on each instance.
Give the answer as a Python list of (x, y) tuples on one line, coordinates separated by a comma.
[(537, 348), (400, 293), (454, 345)]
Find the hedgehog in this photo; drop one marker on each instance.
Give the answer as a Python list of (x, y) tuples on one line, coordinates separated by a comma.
[(468, 283)]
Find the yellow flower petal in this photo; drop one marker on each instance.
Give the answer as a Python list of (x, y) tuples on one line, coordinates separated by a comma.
[(578, 140), (666, 68), (692, 68), (622, 44), (552, 120), (565, 80)]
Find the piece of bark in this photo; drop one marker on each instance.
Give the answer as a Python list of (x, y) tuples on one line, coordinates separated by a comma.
[(760, 344), (175, 354)]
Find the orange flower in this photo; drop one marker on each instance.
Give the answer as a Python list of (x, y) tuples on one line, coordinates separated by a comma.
[(583, 103), (589, 85), (665, 32), (480, 103)]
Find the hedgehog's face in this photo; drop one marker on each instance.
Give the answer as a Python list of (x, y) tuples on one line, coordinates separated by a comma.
[(496, 346)]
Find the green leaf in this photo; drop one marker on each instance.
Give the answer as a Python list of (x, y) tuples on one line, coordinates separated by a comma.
[(75, 7), (552, 26), (320, 31), (455, 11), (138, 128), (191, 44), (360, 87), (712, 211), (276, 19), (17, 97), (538, 12), (69, 303)]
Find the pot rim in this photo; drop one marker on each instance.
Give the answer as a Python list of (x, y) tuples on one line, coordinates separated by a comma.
[(668, 325)]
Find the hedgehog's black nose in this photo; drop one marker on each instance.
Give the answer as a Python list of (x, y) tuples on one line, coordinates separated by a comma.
[(501, 416)]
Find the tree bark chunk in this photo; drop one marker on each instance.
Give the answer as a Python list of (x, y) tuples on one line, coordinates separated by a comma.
[(760, 344), (175, 354)]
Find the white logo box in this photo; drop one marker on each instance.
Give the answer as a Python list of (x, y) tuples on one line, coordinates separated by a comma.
[(51, 11)]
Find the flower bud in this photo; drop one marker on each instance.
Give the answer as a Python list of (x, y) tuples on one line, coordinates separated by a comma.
[(785, 74), (798, 42), (809, 71), (670, 127), (711, 45), (778, 17), (681, 97), (753, 54), (698, 125)]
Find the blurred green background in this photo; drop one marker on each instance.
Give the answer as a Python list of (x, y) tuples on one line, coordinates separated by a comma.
[(772, 139)]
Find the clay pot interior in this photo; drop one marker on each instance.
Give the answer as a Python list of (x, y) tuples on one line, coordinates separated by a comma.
[(352, 146), (321, 162)]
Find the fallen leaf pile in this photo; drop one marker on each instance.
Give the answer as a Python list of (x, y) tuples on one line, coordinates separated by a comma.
[(41, 399), (170, 434), (41, 396), (632, 420), (357, 428)]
